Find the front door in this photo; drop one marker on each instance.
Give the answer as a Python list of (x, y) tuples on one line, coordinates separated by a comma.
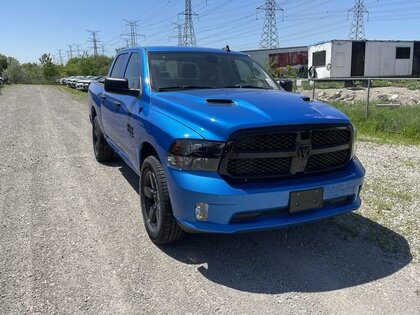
[(358, 59)]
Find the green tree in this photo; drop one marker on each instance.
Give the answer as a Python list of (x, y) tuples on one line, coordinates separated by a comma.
[(48, 67), (3, 63), (13, 72), (88, 65), (32, 73)]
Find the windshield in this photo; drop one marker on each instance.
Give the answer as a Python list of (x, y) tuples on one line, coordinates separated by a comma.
[(198, 70)]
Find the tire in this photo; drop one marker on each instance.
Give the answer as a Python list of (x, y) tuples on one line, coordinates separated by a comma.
[(102, 150), (312, 72), (156, 206)]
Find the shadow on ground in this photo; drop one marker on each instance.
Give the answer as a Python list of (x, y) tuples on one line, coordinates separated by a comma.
[(321, 256)]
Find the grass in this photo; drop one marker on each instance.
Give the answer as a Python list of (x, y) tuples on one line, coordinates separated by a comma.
[(81, 96), (409, 84), (390, 125)]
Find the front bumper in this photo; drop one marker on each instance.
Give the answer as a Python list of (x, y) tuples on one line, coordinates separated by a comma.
[(227, 201)]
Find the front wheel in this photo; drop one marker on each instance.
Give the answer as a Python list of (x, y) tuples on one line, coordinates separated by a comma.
[(156, 206)]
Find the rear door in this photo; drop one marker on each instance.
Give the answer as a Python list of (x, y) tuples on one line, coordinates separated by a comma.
[(358, 59)]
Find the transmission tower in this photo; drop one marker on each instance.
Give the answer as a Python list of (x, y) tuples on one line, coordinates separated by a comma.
[(133, 32), (270, 34), (188, 38), (94, 40), (178, 27), (357, 29), (78, 49), (60, 56), (70, 51)]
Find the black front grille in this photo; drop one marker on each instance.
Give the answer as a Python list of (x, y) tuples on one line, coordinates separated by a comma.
[(327, 160), (259, 167), (330, 137), (262, 154), (270, 142)]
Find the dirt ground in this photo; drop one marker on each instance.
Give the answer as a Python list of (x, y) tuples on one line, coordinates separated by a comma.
[(72, 238), (382, 95)]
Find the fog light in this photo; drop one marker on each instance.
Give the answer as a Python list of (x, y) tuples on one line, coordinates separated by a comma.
[(201, 211)]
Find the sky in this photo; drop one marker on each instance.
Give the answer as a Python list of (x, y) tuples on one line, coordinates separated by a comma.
[(30, 28)]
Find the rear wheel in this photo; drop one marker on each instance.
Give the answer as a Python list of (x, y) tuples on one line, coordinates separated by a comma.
[(102, 150), (155, 204)]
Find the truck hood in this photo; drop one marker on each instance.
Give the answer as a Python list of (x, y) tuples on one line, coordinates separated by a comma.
[(216, 113)]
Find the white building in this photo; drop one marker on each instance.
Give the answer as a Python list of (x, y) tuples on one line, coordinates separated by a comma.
[(347, 58)]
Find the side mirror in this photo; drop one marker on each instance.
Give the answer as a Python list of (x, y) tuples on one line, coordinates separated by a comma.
[(120, 86), (286, 84)]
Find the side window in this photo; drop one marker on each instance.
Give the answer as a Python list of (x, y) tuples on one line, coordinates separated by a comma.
[(119, 66), (319, 58), (132, 73), (403, 53)]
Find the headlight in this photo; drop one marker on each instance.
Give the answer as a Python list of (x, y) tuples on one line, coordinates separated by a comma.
[(354, 141), (199, 155)]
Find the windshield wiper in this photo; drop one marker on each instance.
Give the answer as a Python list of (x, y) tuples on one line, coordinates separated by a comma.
[(239, 86), (183, 87)]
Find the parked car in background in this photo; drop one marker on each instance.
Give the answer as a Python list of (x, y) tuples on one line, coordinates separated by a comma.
[(83, 84), (2, 80)]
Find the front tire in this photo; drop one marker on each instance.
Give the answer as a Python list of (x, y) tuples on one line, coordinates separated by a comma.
[(156, 206), (102, 150)]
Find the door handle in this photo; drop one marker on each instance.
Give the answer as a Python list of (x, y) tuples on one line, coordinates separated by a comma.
[(102, 97), (117, 104)]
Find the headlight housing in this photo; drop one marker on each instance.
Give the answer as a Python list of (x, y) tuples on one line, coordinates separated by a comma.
[(189, 154)]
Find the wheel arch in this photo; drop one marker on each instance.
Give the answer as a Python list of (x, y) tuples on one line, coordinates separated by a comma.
[(147, 149)]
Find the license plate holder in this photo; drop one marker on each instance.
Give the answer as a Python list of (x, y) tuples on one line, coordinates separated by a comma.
[(306, 200)]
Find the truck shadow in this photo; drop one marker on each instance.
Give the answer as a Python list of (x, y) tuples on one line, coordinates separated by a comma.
[(315, 257), (346, 251)]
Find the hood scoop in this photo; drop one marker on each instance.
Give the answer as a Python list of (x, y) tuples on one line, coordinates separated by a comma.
[(306, 98), (220, 102)]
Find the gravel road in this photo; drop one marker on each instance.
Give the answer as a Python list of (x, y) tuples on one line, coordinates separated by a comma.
[(72, 239)]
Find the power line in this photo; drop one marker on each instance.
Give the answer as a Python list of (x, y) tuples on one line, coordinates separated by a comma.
[(270, 34), (94, 40), (189, 34), (357, 29)]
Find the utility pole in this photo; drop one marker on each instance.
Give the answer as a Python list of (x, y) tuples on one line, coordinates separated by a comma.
[(178, 27), (357, 29), (133, 34), (189, 34), (103, 50), (70, 51), (60, 56), (270, 34), (94, 40)]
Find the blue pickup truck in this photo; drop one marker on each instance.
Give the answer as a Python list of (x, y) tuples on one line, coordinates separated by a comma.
[(219, 145)]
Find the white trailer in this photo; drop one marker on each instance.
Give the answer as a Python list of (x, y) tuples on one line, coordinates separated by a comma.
[(360, 59)]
